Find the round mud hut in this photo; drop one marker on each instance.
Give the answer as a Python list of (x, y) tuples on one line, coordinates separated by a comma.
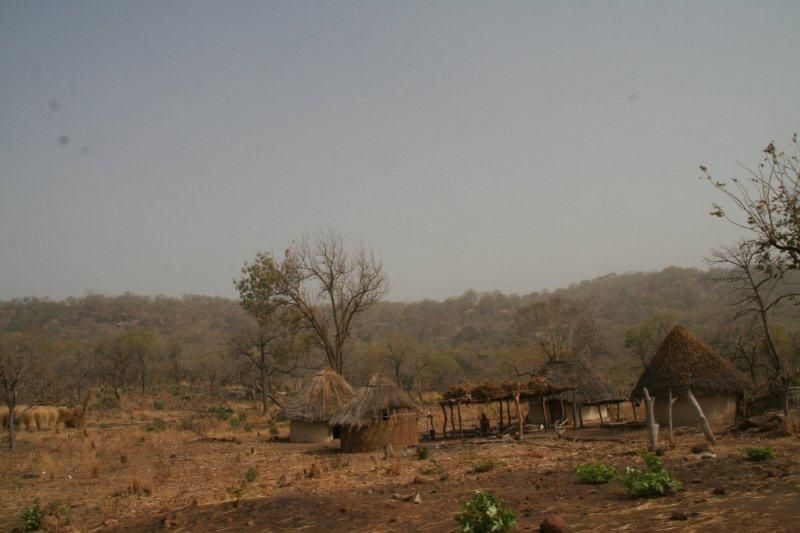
[(587, 392), (379, 414), (682, 363), (310, 412)]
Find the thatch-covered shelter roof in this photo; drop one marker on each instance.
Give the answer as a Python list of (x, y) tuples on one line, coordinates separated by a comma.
[(487, 391), (379, 399), (321, 400), (574, 374), (684, 362)]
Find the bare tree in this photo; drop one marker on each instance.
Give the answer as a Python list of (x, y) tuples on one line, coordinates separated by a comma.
[(767, 205), (759, 293), (399, 348), (644, 338), (743, 345), (268, 348), (560, 327), (15, 362), (323, 284)]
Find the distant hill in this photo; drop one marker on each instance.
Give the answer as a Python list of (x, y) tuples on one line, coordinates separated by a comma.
[(475, 329)]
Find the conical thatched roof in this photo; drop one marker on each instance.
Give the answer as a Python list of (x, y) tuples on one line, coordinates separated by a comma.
[(685, 362), (321, 400), (573, 374), (381, 397)]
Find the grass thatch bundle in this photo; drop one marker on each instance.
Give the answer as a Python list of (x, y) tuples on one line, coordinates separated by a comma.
[(460, 390), (380, 400), (321, 400), (488, 391), (685, 362), (572, 374)]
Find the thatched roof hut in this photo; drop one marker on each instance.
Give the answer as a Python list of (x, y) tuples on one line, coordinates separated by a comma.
[(574, 374), (684, 362), (311, 410), (321, 400), (380, 413), (373, 402)]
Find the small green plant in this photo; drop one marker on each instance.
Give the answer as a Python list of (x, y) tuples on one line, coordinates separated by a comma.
[(155, 426), (485, 513), (423, 452), (104, 425), (655, 481), (595, 473), (433, 469), (175, 391), (158, 405), (273, 429), (32, 517), (223, 412), (59, 511), (237, 420), (484, 466), (763, 453), (250, 475)]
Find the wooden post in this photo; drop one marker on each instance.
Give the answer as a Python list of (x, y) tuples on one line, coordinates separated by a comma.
[(580, 414), (617, 410), (508, 409), (600, 412), (501, 415), (544, 414), (574, 409), (519, 415), (633, 406), (703, 420), (444, 424), (652, 427), (563, 411), (669, 420), (452, 419), (460, 427)]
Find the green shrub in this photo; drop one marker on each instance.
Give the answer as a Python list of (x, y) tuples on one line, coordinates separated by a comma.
[(764, 453), (158, 405), (273, 429), (32, 517), (655, 481), (155, 425), (433, 469), (58, 510), (223, 412), (104, 425), (422, 453), (484, 513), (485, 466), (595, 473), (251, 474), (175, 391), (237, 419)]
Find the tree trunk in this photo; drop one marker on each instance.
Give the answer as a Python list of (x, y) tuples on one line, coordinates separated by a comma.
[(703, 420), (263, 385), (519, 415), (12, 421), (669, 420), (652, 427)]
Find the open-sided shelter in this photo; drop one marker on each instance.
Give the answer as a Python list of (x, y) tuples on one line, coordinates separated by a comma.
[(683, 362), (379, 414), (310, 412), (587, 400)]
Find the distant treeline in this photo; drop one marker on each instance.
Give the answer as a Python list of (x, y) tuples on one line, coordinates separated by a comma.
[(167, 343)]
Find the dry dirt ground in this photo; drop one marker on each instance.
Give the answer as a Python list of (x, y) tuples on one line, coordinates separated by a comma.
[(122, 472)]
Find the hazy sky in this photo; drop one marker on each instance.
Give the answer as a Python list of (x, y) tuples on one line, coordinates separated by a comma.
[(154, 146)]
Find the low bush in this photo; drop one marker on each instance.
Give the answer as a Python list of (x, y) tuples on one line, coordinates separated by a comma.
[(32, 517), (250, 475), (158, 405), (763, 453), (595, 473), (655, 481), (433, 469), (485, 513), (484, 466), (155, 425), (223, 412), (422, 453)]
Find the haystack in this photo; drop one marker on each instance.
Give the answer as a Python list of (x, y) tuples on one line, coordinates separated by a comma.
[(684, 362), (589, 394), (310, 412), (379, 414)]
